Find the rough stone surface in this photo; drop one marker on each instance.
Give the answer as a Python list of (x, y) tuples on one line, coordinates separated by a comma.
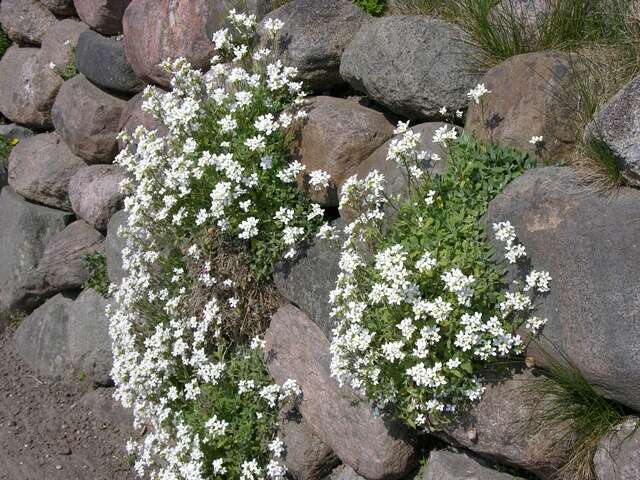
[(40, 168), (25, 21), (156, 30), (395, 175), (114, 245), (12, 131), (60, 41), (306, 456), (529, 13), (25, 229), (503, 426), (336, 137), (62, 266), (104, 16), (134, 116), (617, 124), (89, 340), (531, 95), (588, 242), (41, 339), (87, 120), (64, 8), (95, 193), (450, 465), (307, 279), (28, 87), (344, 472), (375, 447), (618, 454), (413, 65), (314, 37), (102, 60)]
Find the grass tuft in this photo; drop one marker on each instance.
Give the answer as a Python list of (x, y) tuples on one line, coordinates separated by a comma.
[(372, 7), (96, 266)]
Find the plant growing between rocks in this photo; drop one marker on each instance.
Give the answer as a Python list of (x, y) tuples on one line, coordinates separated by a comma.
[(96, 265), (422, 308), (212, 206)]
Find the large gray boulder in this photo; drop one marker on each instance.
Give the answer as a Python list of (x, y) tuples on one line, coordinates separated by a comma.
[(114, 245), (104, 16), (618, 454), (62, 266), (413, 65), (95, 194), (376, 447), (87, 119), (102, 60), (41, 339), (617, 124), (344, 472), (40, 169), (506, 426), (588, 242), (451, 465), (28, 87), (25, 21), (336, 137), (306, 456), (533, 94), (307, 279), (155, 31), (25, 229), (89, 340), (314, 37), (60, 42)]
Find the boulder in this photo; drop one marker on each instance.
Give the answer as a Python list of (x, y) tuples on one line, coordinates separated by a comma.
[(104, 16), (114, 245), (588, 242), (102, 60), (12, 131), (306, 456), (62, 266), (617, 124), (314, 37), (531, 95), (28, 87), (413, 65), (89, 340), (107, 409), (41, 339), (95, 193), (60, 42), (505, 425), (87, 120), (40, 168), (618, 453), (25, 229), (451, 465), (158, 30), (528, 13), (63, 8), (376, 447), (344, 472), (307, 279), (395, 175), (134, 116), (25, 21), (336, 137)]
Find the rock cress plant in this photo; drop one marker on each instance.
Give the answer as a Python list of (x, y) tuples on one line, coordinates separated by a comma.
[(420, 303), (212, 205)]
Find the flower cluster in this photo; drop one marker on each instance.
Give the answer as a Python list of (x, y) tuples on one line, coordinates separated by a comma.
[(419, 318), (214, 181)]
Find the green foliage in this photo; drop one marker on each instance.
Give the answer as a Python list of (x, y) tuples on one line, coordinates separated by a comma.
[(571, 404), (96, 265), (372, 7), (5, 42), (5, 150)]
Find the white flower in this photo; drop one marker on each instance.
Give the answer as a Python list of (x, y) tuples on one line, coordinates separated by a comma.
[(257, 343), (443, 111), (477, 92), (535, 140), (425, 263), (319, 179), (459, 113), (326, 232), (273, 25), (443, 134), (248, 228), (255, 143)]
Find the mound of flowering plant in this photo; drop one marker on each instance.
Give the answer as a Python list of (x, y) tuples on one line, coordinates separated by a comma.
[(422, 308), (212, 205)]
